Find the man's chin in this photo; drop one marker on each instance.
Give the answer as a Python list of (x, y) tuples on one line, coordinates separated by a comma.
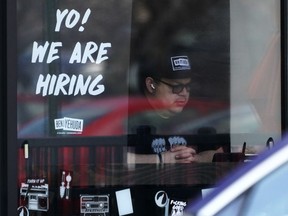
[(176, 110)]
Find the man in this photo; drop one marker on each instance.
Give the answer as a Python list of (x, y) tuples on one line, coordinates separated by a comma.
[(171, 94), (166, 85)]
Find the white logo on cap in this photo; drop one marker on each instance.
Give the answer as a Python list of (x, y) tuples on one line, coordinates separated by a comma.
[(180, 63)]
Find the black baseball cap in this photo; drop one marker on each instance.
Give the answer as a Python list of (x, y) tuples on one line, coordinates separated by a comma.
[(170, 67)]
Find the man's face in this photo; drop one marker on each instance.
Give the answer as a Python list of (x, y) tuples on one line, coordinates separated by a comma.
[(173, 94)]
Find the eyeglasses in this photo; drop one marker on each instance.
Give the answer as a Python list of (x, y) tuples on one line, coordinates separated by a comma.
[(176, 89)]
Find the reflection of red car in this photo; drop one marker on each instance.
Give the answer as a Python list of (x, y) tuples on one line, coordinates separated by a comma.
[(102, 117), (115, 123), (107, 117)]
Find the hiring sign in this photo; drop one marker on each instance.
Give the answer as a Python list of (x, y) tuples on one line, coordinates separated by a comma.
[(81, 53)]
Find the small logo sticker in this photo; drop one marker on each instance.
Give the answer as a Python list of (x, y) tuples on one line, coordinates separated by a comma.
[(161, 199), (69, 124), (177, 207), (180, 63)]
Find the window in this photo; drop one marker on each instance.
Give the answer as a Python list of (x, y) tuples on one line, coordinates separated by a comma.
[(81, 95)]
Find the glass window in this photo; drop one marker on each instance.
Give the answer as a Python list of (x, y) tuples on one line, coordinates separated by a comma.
[(255, 69), (109, 90), (73, 61)]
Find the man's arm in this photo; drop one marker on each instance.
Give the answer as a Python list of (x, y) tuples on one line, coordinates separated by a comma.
[(179, 154), (207, 156), (142, 158)]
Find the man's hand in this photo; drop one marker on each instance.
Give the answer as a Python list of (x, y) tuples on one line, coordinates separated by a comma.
[(179, 154)]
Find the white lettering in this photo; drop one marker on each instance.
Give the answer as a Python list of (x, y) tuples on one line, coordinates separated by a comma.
[(59, 18), (82, 86), (90, 48), (62, 81), (39, 52), (72, 19), (69, 124), (102, 52), (42, 84), (63, 84)]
